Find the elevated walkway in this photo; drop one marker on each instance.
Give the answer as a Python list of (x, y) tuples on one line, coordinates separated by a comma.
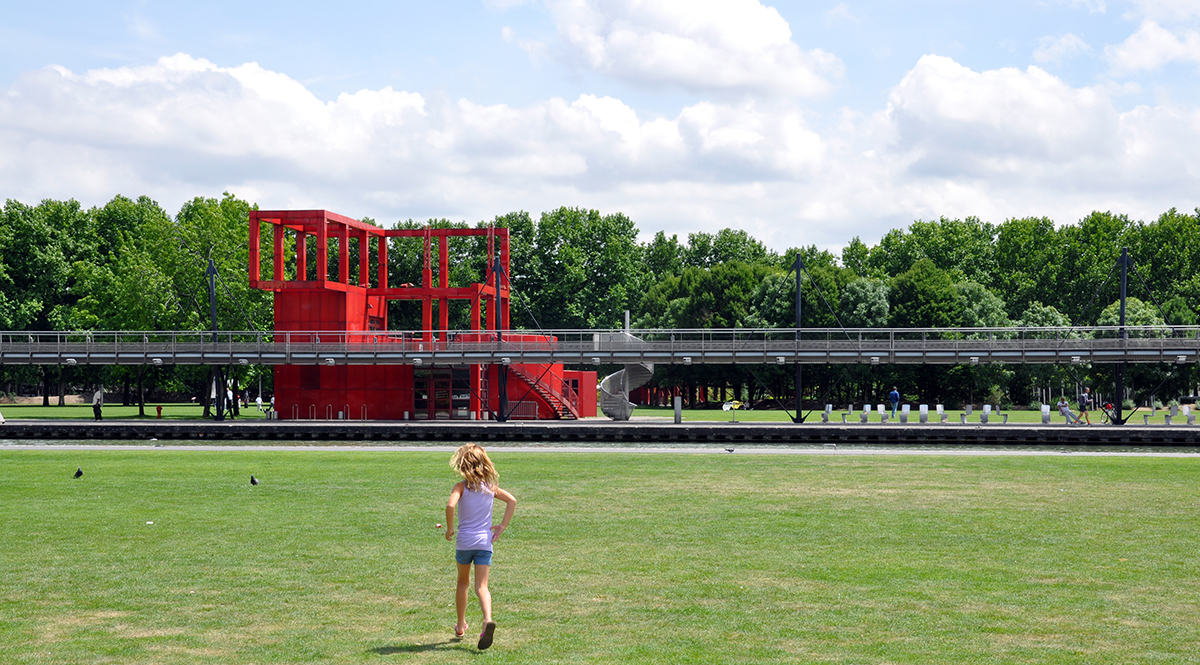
[(783, 346)]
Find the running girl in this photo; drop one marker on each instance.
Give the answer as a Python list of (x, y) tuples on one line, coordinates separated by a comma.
[(475, 531)]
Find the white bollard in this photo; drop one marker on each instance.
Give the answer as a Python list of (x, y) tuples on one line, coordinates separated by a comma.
[(924, 413)]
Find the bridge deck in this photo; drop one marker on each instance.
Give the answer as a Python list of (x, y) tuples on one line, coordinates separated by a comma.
[(1164, 344)]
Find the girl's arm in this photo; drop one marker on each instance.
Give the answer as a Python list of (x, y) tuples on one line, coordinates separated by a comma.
[(510, 506), (455, 495)]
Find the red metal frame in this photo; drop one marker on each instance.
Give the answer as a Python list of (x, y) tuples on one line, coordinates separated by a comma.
[(320, 303)]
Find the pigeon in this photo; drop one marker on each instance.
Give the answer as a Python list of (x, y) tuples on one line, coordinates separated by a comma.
[(729, 450), (253, 480), (79, 472)]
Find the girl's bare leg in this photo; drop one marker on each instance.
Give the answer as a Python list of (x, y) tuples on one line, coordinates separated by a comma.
[(481, 590), (460, 596)]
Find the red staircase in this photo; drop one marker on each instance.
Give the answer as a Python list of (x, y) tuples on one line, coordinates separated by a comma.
[(565, 406)]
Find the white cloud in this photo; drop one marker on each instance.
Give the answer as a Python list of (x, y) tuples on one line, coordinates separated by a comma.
[(1151, 47), (952, 141), (1007, 142), (951, 119), (535, 49), (185, 126), (1167, 10), (724, 46), (1057, 49)]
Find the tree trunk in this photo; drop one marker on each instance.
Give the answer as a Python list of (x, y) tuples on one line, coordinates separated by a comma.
[(62, 386), (45, 386), (141, 394), (125, 392)]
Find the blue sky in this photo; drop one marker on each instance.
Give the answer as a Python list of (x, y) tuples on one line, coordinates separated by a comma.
[(801, 122)]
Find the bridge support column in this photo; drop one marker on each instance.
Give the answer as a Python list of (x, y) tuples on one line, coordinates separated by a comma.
[(798, 267), (1119, 418)]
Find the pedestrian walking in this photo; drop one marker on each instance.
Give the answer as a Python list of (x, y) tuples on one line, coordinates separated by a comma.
[(1085, 404)]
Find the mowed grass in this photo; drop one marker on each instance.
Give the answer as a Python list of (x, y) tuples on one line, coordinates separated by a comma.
[(612, 557), (1023, 416), (113, 412)]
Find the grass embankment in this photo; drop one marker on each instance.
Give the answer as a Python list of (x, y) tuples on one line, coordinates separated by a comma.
[(774, 416), (334, 558), (112, 412)]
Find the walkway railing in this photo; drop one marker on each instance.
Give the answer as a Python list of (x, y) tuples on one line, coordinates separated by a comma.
[(784, 346)]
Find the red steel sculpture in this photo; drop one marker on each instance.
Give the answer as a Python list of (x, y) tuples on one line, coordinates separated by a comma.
[(353, 309)]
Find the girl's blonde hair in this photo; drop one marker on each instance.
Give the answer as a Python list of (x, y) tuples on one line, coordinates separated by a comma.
[(473, 464)]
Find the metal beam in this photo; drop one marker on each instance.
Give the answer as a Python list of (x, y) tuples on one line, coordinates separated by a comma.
[(1159, 344)]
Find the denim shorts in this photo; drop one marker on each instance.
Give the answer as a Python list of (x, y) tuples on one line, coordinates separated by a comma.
[(478, 557)]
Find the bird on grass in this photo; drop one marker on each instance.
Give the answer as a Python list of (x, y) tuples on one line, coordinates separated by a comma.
[(253, 480), (79, 472), (729, 450)]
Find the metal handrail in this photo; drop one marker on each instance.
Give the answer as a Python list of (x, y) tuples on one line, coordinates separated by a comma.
[(580, 345)]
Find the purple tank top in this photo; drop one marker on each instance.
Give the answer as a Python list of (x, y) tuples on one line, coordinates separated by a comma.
[(475, 519)]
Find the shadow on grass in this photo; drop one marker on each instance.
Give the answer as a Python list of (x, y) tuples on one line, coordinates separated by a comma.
[(448, 645)]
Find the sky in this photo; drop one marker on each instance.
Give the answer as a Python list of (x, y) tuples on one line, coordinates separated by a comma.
[(802, 123)]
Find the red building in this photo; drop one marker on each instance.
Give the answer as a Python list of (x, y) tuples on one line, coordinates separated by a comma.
[(353, 305)]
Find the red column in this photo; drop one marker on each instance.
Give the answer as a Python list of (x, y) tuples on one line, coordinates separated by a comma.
[(444, 281), (475, 307), (301, 255), (364, 253), (344, 253), (383, 262), (322, 251), (254, 256), (504, 302), (278, 252)]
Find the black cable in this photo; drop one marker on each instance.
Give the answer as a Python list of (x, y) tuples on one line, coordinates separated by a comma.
[(827, 305), (771, 394), (1095, 295), (1150, 293), (837, 382)]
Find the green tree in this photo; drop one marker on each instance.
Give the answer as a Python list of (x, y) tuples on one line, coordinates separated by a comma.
[(1086, 275), (856, 257), (707, 250), (586, 269), (924, 297), (664, 256), (1178, 313), (1166, 252), (865, 304), (964, 248), (1028, 252), (980, 308)]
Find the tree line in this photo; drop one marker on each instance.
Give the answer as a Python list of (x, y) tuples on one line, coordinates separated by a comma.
[(130, 265)]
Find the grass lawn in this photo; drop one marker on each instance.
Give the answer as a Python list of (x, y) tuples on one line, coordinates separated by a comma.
[(612, 557), (775, 416), (112, 411)]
